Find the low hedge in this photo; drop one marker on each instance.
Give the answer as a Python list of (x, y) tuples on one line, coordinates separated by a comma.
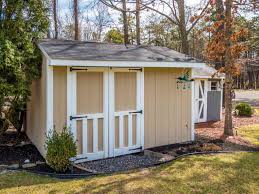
[(243, 109)]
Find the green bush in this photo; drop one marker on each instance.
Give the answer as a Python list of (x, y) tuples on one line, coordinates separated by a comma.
[(243, 109), (60, 148)]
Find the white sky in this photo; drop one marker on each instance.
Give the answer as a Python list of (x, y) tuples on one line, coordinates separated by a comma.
[(64, 4)]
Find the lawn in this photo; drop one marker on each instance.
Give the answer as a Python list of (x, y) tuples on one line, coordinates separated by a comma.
[(250, 132), (224, 173)]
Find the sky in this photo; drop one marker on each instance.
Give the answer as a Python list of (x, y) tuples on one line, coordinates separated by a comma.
[(64, 5)]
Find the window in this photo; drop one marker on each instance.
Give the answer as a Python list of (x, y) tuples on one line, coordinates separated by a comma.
[(213, 85)]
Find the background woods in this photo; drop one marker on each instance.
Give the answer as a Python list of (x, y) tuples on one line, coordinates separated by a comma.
[(223, 33)]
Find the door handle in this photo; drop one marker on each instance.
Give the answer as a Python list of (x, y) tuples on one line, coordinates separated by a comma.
[(136, 112), (77, 117)]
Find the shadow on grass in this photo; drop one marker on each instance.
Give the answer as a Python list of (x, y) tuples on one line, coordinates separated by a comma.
[(224, 173)]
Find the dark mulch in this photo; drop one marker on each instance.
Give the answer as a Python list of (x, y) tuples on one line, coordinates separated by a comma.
[(44, 168), (121, 163), (13, 138), (190, 147), (18, 154)]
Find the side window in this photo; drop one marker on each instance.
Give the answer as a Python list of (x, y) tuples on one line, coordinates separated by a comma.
[(214, 86)]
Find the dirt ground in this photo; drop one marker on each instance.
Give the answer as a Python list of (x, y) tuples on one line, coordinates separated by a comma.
[(214, 131)]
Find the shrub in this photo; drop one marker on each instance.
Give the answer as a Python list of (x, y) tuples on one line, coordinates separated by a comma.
[(60, 148), (243, 109)]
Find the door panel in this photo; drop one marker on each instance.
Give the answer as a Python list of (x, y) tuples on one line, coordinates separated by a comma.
[(89, 92), (201, 100), (88, 113), (127, 112), (125, 90)]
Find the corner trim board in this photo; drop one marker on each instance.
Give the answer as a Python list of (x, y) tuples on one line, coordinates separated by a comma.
[(49, 98)]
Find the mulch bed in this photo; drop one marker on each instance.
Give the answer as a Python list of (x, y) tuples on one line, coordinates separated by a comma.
[(121, 163), (18, 154), (45, 169), (12, 138), (205, 132)]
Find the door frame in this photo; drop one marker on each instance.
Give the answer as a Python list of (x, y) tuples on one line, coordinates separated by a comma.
[(108, 107), (72, 110), (139, 106), (196, 97)]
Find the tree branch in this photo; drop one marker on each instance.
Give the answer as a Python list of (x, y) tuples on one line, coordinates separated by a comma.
[(199, 17), (163, 14)]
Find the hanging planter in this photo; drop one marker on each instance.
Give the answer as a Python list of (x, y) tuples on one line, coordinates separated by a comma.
[(184, 81)]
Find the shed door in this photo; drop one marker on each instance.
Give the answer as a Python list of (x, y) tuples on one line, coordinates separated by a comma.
[(88, 111), (126, 111), (201, 100)]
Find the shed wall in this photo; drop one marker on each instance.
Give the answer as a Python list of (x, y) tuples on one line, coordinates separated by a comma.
[(59, 97), (167, 109), (36, 111)]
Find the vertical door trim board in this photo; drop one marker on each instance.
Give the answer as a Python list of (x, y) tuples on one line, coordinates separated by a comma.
[(71, 99), (106, 113), (221, 96), (140, 104), (193, 109), (111, 118), (49, 97), (206, 99)]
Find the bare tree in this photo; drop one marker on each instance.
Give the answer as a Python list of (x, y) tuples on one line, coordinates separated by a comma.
[(138, 21), (76, 13), (55, 18), (177, 16), (102, 19), (121, 6)]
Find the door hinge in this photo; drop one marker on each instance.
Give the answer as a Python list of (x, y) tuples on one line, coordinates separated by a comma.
[(77, 117), (138, 148), (135, 69), (78, 69), (136, 112)]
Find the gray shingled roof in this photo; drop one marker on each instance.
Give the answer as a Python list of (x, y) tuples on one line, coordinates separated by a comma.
[(96, 51)]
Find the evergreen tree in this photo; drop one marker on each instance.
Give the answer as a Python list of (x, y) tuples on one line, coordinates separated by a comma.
[(22, 24)]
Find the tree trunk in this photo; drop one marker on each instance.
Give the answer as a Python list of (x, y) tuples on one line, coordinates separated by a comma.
[(125, 22), (138, 21), (55, 19), (182, 27), (228, 128), (76, 19)]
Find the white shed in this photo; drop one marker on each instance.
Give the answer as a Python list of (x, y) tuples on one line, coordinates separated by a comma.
[(208, 94), (116, 99)]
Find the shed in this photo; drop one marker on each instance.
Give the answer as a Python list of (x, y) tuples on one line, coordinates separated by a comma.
[(208, 94), (116, 99)]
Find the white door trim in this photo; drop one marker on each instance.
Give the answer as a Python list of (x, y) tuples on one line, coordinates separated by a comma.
[(111, 113), (204, 91)]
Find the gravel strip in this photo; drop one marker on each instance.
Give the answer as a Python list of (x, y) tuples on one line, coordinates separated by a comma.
[(122, 163)]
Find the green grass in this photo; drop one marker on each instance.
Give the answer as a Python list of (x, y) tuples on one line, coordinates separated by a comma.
[(251, 133), (256, 111), (224, 173)]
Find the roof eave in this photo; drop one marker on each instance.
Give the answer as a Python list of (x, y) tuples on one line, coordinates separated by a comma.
[(95, 63)]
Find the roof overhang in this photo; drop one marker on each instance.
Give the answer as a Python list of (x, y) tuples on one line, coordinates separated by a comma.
[(84, 63), (97, 63), (208, 77)]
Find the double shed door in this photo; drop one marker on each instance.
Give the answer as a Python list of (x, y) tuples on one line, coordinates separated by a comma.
[(105, 111)]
